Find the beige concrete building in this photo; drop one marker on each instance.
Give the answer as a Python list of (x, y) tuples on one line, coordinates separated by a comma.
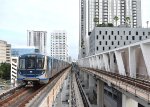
[(5, 52)]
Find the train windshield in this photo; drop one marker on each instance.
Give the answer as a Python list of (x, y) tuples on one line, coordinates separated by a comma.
[(40, 63), (31, 63), (22, 64)]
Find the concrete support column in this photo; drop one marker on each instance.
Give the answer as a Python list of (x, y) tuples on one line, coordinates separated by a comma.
[(85, 79), (132, 62), (146, 55), (91, 88), (100, 93), (106, 62), (112, 63), (120, 63), (91, 82), (128, 102)]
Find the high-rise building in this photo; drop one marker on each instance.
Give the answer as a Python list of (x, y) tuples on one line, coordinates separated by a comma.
[(5, 52), (58, 48), (103, 39), (37, 39), (127, 11), (96, 12)]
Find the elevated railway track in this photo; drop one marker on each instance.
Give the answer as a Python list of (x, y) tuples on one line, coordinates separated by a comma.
[(23, 95), (136, 88)]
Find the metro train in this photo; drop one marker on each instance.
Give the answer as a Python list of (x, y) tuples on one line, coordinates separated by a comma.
[(38, 68)]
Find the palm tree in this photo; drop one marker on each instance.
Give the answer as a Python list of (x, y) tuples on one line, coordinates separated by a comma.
[(116, 19), (127, 20)]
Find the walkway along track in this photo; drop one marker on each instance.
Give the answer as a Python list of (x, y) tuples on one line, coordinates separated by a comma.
[(19, 97), (83, 94), (139, 88), (78, 89)]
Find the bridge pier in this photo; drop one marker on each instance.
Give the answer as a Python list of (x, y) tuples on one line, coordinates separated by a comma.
[(85, 79), (128, 102), (91, 82), (100, 93)]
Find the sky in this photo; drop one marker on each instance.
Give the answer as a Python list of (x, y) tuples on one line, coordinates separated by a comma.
[(18, 16)]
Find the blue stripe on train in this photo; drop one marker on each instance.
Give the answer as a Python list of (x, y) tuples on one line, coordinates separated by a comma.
[(32, 78)]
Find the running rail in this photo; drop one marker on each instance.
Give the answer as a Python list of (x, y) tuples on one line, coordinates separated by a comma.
[(83, 94), (137, 89)]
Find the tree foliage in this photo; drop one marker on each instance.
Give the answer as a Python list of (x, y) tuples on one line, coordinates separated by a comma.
[(5, 69), (105, 25), (116, 18)]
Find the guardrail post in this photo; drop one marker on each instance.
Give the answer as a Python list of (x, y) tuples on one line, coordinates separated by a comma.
[(135, 87), (148, 95)]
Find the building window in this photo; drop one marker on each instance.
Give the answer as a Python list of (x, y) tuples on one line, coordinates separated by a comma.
[(121, 37), (118, 32), (100, 43), (124, 43), (140, 37), (126, 37), (97, 37), (103, 48), (124, 32), (118, 43), (129, 32), (143, 33), (112, 32), (109, 37), (103, 37), (133, 37), (100, 32), (137, 33), (106, 42), (97, 48), (115, 37), (109, 47), (105, 32), (149, 33), (112, 43), (146, 37)]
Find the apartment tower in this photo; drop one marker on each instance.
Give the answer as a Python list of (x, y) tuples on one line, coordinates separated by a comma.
[(58, 47), (37, 39), (95, 12), (5, 52)]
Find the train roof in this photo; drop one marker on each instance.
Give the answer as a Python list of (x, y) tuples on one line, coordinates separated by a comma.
[(36, 54)]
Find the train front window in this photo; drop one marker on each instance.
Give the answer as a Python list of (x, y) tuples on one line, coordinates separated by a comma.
[(22, 64), (40, 63), (31, 63)]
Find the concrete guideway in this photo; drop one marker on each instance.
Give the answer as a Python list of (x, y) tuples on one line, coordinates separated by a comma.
[(132, 91), (48, 95)]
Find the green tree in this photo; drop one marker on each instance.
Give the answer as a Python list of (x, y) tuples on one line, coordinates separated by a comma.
[(127, 20), (116, 19), (5, 69)]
